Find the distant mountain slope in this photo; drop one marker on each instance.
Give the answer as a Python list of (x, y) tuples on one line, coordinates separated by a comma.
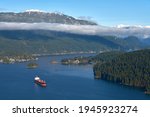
[(36, 17), (146, 41), (48, 42), (133, 41), (131, 69)]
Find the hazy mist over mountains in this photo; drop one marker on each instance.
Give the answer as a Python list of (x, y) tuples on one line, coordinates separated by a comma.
[(36, 19), (140, 32), (38, 32)]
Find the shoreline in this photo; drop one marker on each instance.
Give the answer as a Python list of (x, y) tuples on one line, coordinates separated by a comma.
[(60, 54), (34, 57)]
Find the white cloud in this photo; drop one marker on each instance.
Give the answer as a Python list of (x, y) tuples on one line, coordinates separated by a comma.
[(147, 26), (123, 31)]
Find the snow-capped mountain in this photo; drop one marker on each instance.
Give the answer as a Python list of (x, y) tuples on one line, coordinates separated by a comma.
[(37, 19), (34, 10), (38, 16), (131, 26)]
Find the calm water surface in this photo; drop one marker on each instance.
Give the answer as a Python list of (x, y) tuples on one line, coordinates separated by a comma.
[(64, 82)]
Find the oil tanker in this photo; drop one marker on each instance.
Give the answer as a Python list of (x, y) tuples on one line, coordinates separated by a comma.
[(40, 82)]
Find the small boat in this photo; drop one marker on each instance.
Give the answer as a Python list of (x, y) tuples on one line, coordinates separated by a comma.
[(40, 82), (53, 62)]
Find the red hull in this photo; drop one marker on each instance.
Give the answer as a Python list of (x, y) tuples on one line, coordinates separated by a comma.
[(41, 83)]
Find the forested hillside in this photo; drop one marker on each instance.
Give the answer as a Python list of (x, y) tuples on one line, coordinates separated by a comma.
[(48, 42), (132, 68)]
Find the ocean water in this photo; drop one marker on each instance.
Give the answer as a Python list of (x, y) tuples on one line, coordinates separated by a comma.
[(64, 82)]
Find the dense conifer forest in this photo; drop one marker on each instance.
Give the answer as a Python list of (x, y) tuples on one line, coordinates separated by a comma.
[(131, 68)]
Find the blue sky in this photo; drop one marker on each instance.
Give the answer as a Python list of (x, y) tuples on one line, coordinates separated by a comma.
[(105, 12)]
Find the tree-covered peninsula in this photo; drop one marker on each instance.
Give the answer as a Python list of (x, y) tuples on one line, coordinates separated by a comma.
[(100, 58), (132, 68), (76, 61)]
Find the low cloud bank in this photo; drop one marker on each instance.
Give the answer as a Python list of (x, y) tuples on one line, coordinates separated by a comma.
[(141, 32)]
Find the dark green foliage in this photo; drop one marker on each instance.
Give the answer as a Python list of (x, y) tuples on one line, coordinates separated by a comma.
[(106, 56), (132, 68)]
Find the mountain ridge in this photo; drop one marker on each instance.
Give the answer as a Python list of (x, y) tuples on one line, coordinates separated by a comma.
[(35, 16)]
